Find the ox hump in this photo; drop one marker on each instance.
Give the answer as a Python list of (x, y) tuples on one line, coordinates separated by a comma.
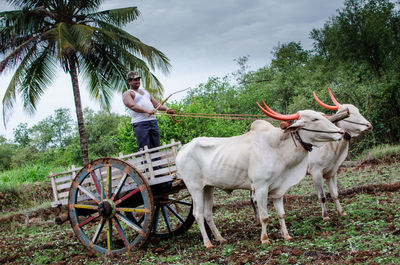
[(261, 125)]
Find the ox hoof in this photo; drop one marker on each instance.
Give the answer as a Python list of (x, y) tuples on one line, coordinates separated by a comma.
[(343, 214), (288, 238), (222, 241), (209, 246), (326, 218), (266, 242)]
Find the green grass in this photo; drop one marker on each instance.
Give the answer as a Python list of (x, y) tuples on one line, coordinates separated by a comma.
[(380, 151), (27, 174), (365, 236)]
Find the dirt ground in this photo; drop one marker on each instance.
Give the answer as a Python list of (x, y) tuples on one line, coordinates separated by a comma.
[(33, 237)]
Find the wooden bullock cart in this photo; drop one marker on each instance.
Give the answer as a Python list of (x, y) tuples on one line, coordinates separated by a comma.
[(115, 204)]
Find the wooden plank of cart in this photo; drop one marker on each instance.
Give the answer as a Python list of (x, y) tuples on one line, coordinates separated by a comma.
[(115, 204)]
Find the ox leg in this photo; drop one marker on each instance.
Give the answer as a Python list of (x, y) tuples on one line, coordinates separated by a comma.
[(198, 213), (262, 204), (278, 203), (208, 215), (332, 184), (319, 187)]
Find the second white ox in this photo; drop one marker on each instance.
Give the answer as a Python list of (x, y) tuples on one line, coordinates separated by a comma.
[(325, 161), (266, 160)]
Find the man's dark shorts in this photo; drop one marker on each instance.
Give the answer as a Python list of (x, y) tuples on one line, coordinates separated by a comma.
[(147, 133)]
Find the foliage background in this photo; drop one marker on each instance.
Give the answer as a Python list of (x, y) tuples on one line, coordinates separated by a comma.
[(356, 54)]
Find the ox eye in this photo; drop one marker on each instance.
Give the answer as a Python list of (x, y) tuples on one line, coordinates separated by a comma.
[(315, 119)]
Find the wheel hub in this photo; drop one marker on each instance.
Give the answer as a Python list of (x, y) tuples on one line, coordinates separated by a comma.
[(107, 209)]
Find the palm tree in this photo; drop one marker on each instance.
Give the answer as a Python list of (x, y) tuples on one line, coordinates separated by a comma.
[(43, 34)]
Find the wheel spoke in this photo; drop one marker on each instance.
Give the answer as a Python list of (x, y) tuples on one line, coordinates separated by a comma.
[(98, 230), (89, 193), (95, 182), (166, 218), (127, 195), (120, 184), (130, 223), (109, 183), (175, 213), (184, 203), (133, 218), (121, 232), (109, 235), (156, 218), (85, 206), (133, 210), (89, 219)]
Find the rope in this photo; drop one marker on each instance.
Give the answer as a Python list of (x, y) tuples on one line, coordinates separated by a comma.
[(217, 116)]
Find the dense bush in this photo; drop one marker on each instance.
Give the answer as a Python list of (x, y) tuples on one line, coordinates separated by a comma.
[(356, 54)]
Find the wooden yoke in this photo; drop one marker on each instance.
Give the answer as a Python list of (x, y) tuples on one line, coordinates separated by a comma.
[(343, 114), (339, 116)]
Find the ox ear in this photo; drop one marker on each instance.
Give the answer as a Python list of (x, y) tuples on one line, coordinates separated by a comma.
[(295, 126)]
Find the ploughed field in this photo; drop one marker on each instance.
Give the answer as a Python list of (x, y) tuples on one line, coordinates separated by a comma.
[(369, 234)]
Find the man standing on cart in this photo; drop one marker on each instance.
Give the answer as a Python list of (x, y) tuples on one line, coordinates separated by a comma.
[(143, 106)]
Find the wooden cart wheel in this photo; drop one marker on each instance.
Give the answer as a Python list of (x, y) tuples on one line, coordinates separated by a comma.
[(173, 214), (102, 196)]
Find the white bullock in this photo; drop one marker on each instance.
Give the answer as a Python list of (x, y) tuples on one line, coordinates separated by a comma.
[(325, 161), (266, 160)]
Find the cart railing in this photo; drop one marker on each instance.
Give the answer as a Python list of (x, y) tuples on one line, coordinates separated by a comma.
[(157, 165)]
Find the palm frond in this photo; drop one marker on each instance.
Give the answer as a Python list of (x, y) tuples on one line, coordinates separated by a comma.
[(16, 80), (150, 81), (99, 87), (85, 6), (154, 57), (104, 73), (62, 38), (38, 76), (153, 85), (22, 22), (83, 37), (13, 58), (118, 17), (23, 3)]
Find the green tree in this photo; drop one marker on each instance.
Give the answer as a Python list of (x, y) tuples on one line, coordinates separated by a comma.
[(42, 134), (7, 150), (62, 127), (363, 41), (102, 127), (289, 68), (53, 131), (42, 34), (21, 135)]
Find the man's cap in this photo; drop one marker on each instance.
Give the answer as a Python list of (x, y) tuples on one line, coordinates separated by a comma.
[(133, 75)]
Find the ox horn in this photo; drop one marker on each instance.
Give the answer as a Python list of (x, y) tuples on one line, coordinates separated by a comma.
[(276, 115), (326, 106)]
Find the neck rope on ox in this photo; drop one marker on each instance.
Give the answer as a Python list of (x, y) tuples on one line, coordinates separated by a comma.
[(347, 136), (359, 123), (307, 146)]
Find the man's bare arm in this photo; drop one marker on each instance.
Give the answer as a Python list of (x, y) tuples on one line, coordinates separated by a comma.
[(159, 106), (128, 99)]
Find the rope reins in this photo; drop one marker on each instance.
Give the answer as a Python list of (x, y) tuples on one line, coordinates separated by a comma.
[(217, 116), (307, 146), (311, 130), (359, 123)]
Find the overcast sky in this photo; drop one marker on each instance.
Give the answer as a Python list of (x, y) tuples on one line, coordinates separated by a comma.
[(201, 39)]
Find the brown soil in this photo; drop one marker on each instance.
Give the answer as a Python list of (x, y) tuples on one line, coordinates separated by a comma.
[(41, 191), (248, 231), (372, 163)]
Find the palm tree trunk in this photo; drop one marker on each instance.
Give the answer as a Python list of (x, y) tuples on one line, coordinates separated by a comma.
[(79, 113)]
